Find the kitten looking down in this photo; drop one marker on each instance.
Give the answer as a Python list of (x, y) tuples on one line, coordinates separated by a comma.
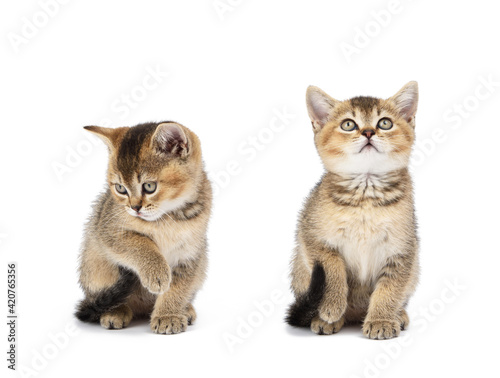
[(144, 249), (356, 258)]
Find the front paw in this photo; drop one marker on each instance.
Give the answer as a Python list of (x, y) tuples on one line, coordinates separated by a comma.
[(156, 278), (169, 324), (320, 327), (381, 329), (331, 310), (117, 318)]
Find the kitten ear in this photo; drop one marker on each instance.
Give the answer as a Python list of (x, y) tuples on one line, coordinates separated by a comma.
[(170, 139), (108, 135), (319, 107), (406, 101)]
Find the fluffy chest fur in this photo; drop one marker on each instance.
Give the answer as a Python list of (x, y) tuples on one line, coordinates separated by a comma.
[(365, 240), (178, 241), (176, 248), (365, 232)]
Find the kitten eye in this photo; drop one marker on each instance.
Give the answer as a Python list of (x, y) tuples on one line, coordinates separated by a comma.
[(120, 189), (384, 124), (348, 125), (149, 187)]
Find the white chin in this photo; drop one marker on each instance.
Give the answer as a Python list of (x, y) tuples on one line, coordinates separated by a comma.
[(367, 161), (150, 218), (146, 217), (165, 207)]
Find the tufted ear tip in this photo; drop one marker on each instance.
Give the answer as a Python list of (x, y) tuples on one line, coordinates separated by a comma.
[(96, 129)]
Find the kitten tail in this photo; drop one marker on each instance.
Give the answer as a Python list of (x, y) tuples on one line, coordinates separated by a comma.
[(305, 308), (90, 309)]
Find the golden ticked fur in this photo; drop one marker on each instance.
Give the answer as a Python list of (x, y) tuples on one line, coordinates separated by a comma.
[(356, 258), (144, 250)]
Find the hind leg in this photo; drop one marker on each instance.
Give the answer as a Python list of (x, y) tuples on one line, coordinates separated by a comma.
[(358, 301), (141, 302), (106, 287), (96, 272), (117, 318), (191, 314), (97, 275), (404, 319)]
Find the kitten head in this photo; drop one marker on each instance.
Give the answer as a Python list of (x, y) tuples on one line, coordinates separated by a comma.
[(364, 134), (153, 168)]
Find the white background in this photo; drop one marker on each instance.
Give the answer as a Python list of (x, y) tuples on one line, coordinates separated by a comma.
[(229, 72)]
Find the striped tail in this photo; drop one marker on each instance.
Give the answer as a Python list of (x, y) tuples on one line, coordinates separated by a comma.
[(91, 309)]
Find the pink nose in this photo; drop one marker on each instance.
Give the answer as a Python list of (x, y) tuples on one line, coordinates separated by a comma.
[(368, 133), (136, 207)]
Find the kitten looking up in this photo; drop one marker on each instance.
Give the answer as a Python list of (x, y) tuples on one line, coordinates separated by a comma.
[(356, 258), (144, 249)]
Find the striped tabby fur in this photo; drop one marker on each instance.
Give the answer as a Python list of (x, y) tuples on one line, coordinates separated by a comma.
[(144, 254), (358, 223)]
